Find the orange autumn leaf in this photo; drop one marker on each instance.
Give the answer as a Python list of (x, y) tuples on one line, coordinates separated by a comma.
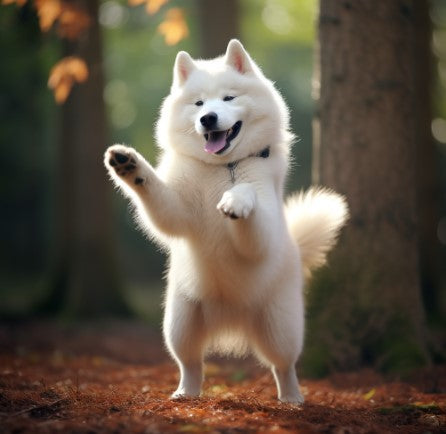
[(152, 6), (62, 90), (10, 2), (48, 12), (174, 27), (64, 74), (71, 20)]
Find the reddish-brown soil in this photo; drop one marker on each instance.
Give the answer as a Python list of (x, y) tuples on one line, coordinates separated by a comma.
[(117, 378)]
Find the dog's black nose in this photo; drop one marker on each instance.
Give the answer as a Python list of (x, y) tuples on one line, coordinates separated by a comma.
[(209, 120)]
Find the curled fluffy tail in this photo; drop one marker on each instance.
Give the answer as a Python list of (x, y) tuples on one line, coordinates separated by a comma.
[(314, 219)]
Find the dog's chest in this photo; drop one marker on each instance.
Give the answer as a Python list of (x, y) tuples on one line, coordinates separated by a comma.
[(202, 188), (210, 185), (209, 193)]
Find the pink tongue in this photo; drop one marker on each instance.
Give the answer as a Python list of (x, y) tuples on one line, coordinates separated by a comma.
[(213, 146)]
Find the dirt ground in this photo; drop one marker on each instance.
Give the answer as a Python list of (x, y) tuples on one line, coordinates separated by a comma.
[(116, 378)]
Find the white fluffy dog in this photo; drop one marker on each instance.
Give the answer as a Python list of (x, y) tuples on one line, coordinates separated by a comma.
[(238, 254)]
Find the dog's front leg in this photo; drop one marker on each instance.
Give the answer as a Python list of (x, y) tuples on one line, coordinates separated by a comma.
[(249, 222), (136, 177), (238, 202)]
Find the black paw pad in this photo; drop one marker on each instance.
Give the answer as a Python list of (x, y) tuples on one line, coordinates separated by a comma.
[(233, 216), (121, 158), (112, 162), (138, 181)]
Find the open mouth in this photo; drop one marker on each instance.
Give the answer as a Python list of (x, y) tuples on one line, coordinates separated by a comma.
[(218, 141)]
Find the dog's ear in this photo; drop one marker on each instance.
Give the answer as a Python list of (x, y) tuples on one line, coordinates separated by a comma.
[(237, 57), (184, 65)]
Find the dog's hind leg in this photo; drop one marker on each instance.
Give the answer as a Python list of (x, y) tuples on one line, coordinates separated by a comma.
[(287, 384), (278, 338), (185, 335)]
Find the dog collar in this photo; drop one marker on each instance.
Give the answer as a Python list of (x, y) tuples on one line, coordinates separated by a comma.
[(264, 153)]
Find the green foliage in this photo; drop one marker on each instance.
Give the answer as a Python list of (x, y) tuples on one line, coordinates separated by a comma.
[(274, 22), (27, 125), (279, 34), (146, 299), (316, 360), (138, 67)]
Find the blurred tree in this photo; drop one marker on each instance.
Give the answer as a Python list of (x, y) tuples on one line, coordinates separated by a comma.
[(218, 22), (86, 276), (26, 151), (366, 308), (428, 183)]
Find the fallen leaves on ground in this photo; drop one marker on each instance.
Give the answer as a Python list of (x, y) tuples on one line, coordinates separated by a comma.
[(117, 378)]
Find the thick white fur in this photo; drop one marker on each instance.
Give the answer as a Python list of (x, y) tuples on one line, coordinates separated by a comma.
[(313, 228), (233, 283)]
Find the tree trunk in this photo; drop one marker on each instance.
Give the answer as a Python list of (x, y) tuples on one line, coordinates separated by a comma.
[(428, 182), (85, 280), (366, 307), (219, 23)]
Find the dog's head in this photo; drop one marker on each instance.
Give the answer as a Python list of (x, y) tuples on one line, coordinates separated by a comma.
[(223, 109)]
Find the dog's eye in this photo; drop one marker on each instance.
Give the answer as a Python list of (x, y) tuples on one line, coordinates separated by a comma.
[(199, 102), (228, 98)]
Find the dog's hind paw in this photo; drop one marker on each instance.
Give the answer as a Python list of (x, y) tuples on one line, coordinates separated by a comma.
[(296, 399), (181, 394)]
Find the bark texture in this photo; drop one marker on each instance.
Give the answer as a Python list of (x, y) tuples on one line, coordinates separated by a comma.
[(366, 141)]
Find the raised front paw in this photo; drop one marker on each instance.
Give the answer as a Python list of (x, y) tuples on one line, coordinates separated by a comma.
[(124, 162), (237, 202)]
